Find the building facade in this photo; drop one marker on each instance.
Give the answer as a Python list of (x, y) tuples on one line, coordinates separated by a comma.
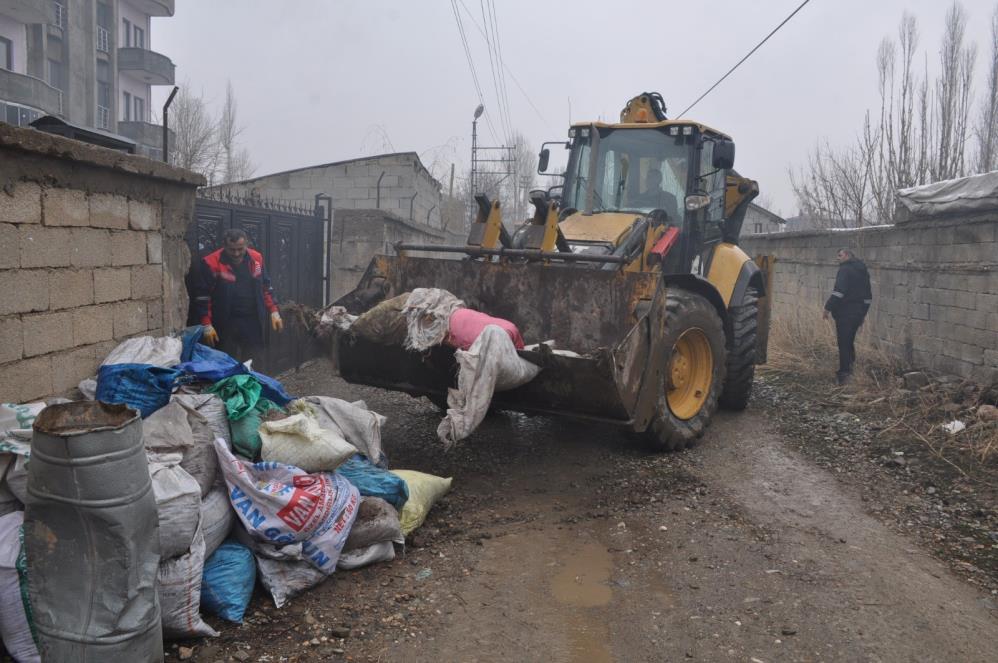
[(760, 221), (396, 183), (88, 62)]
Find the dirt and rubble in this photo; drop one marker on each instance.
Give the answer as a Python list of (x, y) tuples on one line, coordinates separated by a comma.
[(563, 541)]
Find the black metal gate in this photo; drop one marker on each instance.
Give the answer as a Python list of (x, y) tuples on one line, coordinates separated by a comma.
[(290, 237)]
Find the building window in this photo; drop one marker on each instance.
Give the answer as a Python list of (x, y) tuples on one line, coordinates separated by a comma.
[(126, 107), (55, 74), (103, 27), (140, 37), (140, 109), (59, 15), (758, 229), (103, 95), (6, 54), (126, 29)]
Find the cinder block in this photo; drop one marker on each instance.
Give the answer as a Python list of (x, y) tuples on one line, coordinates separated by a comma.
[(68, 368), (144, 216), (108, 211), (130, 318), (112, 285), (47, 332), (11, 339), (154, 248), (69, 288), (147, 281), (154, 315), (65, 207), (28, 380), (10, 246), (128, 248), (23, 291), (90, 247), (92, 324), (24, 205), (45, 247)]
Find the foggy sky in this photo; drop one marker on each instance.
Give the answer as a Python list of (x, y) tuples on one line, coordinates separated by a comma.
[(327, 80)]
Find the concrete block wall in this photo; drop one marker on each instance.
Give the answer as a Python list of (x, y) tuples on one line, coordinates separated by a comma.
[(935, 287), (91, 253)]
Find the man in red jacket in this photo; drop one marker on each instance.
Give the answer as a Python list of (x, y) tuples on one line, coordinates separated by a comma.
[(234, 298)]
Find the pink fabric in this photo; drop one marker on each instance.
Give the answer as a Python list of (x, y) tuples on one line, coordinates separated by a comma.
[(466, 325)]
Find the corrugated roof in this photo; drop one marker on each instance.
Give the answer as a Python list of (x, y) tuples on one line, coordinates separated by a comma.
[(345, 162)]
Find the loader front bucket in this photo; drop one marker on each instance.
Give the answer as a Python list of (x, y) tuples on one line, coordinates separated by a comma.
[(601, 315)]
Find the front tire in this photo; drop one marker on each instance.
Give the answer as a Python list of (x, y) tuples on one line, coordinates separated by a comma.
[(741, 352), (692, 381)]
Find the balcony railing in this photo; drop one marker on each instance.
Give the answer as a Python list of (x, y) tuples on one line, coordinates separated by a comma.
[(59, 15), (148, 66), (30, 91)]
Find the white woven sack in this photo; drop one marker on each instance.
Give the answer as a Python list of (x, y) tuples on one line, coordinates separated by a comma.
[(179, 591), (299, 441)]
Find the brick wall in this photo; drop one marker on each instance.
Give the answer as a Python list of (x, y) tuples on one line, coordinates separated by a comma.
[(935, 287), (91, 252)]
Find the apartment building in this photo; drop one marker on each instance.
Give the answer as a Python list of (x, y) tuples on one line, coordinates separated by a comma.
[(89, 62)]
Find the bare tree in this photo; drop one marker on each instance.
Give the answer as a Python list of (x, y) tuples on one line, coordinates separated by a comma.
[(987, 124), (524, 177), (833, 189), (195, 146), (234, 160), (953, 97)]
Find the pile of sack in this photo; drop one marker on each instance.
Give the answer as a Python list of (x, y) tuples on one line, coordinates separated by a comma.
[(249, 482), (485, 349)]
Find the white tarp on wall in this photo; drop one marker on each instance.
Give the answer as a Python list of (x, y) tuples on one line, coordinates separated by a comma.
[(977, 193)]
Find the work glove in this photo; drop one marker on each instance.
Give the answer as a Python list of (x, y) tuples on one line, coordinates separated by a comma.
[(210, 336), (275, 322)]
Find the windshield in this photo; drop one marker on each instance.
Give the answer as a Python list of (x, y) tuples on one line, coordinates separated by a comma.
[(635, 170)]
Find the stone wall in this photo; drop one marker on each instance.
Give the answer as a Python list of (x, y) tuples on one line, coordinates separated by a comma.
[(359, 235), (935, 287), (91, 252)]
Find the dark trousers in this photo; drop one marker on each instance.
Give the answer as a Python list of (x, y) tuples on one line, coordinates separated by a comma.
[(846, 327), (241, 338)]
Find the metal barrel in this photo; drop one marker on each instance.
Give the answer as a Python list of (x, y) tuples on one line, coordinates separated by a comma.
[(592, 312), (91, 536)]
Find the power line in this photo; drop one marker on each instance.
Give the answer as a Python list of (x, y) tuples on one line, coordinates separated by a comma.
[(738, 64), (508, 70), (471, 65), (504, 119), (502, 64)]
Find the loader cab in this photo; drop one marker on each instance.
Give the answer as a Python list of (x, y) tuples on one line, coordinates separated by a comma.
[(617, 171)]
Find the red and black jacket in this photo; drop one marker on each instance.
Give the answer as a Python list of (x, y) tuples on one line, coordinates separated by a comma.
[(215, 292)]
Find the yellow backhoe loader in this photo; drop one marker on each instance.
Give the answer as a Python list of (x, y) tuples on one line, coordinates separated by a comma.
[(632, 263)]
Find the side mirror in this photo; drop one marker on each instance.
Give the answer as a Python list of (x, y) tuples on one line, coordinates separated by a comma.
[(542, 160), (724, 154)]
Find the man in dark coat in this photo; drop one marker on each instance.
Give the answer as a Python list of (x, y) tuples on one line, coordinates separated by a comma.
[(848, 304), (234, 298)]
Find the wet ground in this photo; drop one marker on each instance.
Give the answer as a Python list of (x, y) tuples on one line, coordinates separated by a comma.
[(571, 542)]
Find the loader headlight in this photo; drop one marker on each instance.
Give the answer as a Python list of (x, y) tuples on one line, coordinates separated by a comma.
[(696, 201)]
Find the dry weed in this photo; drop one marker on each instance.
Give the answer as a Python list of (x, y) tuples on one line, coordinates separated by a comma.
[(802, 350)]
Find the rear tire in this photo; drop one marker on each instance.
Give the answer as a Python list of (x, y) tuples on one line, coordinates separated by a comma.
[(741, 353), (691, 322)]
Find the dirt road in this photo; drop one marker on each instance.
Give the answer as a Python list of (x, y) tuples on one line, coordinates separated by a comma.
[(569, 542)]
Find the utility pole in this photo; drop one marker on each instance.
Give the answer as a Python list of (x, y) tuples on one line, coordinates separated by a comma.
[(450, 192)]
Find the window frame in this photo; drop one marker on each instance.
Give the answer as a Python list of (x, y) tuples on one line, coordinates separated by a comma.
[(7, 46), (140, 37), (140, 109), (127, 29), (126, 104)]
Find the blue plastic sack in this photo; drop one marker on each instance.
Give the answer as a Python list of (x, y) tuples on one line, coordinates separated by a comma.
[(190, 337), (372, 481), (272, 389), (144, 387), (206, 363), (227, 582)]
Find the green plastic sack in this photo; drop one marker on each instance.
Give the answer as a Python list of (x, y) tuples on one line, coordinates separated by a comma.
[(241, 393), (246, 429), (424, 491)]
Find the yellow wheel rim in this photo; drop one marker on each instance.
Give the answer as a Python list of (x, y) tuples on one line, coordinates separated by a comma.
[(691, 370)]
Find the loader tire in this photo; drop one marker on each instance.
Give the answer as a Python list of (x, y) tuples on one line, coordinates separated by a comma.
[(694, 375), (741, 353)]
